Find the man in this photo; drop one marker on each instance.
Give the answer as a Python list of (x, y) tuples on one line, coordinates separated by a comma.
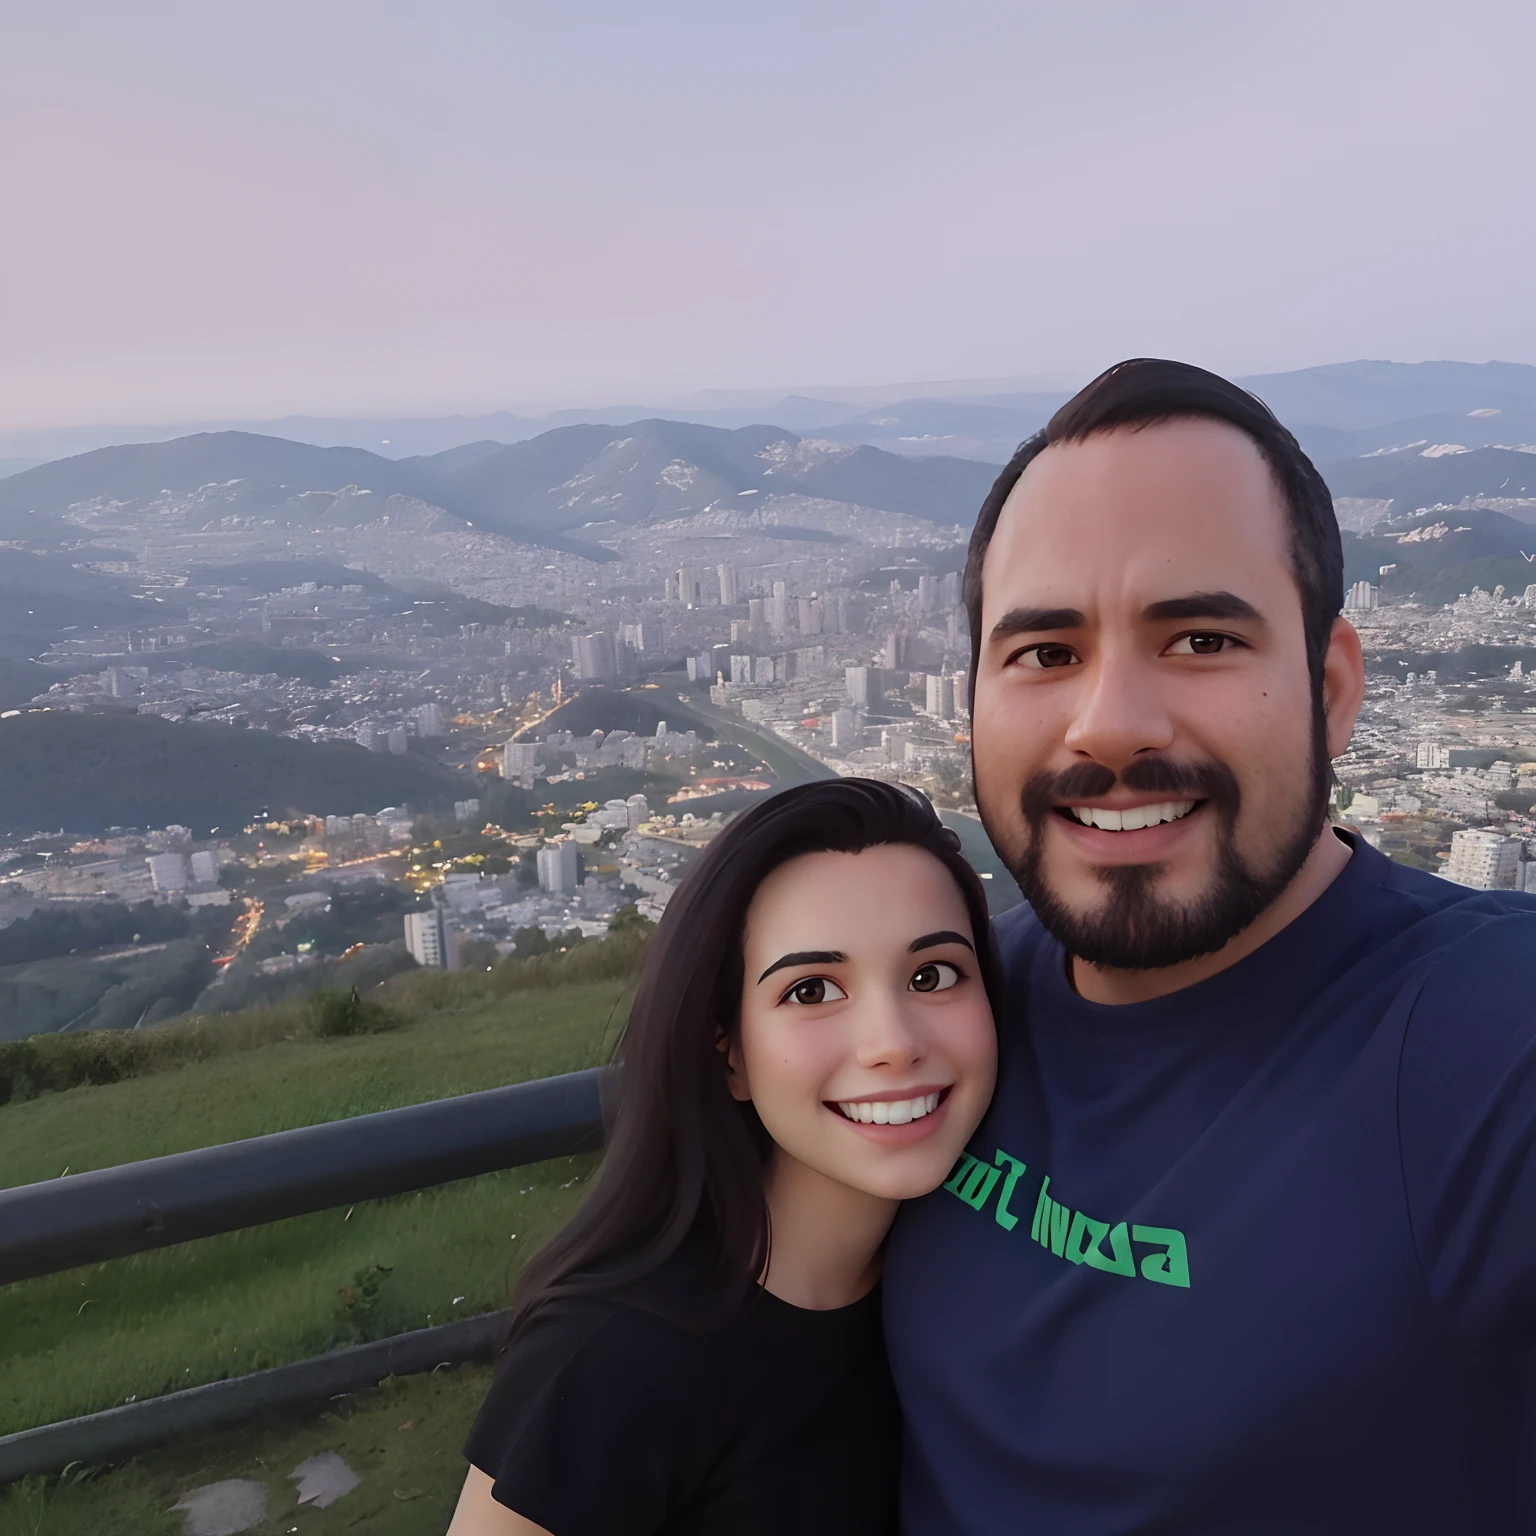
[(1247, 1242)]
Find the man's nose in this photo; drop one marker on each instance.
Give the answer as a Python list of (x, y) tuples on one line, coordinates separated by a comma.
[(1120, 711)]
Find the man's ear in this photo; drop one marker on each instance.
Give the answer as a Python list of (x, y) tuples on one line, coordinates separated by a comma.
[(1343, 685), (735, 1068)]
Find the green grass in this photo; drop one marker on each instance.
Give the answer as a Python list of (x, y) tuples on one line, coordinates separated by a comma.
[(402, 1438), (95, 1337)]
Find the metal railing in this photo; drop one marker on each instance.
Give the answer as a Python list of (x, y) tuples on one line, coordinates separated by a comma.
[(107, 1214)]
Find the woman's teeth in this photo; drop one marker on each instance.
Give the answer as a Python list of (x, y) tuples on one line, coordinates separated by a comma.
[(890, 1111), (1134, 817)]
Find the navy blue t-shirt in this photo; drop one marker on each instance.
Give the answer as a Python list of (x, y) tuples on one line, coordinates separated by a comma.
[(1259, 1256)]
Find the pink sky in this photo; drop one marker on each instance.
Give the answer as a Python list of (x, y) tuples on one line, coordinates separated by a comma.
[(345, 207)]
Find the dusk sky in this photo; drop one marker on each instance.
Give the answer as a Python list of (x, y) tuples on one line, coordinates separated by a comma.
[(342, 207)]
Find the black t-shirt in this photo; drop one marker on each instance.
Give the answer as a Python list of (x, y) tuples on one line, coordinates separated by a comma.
[(607, 1420)]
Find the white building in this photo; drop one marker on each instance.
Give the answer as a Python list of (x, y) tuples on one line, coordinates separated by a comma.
[(857, 682), (1485, 861), (730, 589), (594, 656), (168, 872), (1431, 755), (1361, 596), (845, 728), (205, 867), (559, 867), (941, 696), (431, 941), (398, 741), (429, 720), (637, 809)]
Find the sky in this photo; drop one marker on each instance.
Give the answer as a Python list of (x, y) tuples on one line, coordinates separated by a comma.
[(333, 207)]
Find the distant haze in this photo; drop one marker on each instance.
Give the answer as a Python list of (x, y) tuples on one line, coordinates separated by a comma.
[(344, 209)]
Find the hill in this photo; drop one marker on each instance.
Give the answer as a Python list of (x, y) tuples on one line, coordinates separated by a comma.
[(1352, 396), (88, 772), (1440, 555), (1411, 481), (653, 470), (42, 595), (133, 471)]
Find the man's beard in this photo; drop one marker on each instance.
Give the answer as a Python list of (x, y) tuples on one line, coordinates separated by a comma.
[(1134, 929)]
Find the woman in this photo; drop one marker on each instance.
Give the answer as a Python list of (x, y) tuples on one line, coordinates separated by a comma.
[(811, 1042)]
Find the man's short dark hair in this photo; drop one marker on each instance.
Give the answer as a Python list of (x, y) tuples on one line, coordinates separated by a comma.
[(1148, 390)]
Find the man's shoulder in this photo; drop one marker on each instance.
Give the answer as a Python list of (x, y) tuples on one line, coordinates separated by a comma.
[(1018, 934)]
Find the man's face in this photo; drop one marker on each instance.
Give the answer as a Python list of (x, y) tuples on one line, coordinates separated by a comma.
[(1148, 757)]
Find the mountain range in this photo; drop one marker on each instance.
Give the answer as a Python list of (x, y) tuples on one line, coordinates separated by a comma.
[(538, 490), (1338, 410)]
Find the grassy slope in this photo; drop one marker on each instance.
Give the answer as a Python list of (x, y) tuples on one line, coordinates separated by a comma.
[(90, 1338), (402, 1438)]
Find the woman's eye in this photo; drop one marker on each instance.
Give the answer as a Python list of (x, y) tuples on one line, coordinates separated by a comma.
[(936, 976), (1047, 656), (1200, 645), (814, 989)]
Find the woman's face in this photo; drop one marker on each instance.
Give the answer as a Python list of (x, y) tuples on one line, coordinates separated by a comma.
[(866, 1039)]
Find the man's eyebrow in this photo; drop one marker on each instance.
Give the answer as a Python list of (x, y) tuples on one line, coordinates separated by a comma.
[(803, 957), (1024, 621), (1204, 605), (943, 936)]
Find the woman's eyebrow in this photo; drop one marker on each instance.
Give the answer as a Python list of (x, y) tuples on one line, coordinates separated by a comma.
[(943, 936), (804, 957)]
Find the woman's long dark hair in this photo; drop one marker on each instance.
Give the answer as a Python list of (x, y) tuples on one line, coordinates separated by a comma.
[(684, 1158)]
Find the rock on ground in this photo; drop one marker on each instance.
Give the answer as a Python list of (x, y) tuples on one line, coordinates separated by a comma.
[(224, 1509), (323, 1479)]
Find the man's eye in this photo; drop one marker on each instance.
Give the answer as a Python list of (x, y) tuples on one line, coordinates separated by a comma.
[(814, 989), (1200, 645), (936, 976), (1043, 656)]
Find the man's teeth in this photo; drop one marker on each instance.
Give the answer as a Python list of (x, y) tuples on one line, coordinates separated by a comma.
[(1134, 817), (891, 1111)]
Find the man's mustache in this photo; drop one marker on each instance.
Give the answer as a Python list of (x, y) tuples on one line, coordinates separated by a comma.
[(1207, 780)]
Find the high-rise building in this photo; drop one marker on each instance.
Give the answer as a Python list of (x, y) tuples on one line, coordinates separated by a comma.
[(1529, 600), (860, 686), (1432, 755), (941, 696), (466, 810), (845, 727), (168, 871), (648, 636), (429, 720), (559, 867), (741, 632), (949, 590), (1360, 597), (594, 657), (757, 615), (397, 740), (810, 613), (895, 659), (741, 670), (430, 940), (762, 669), (729, 586), (778, 608), (1484, 860), (637, 809), (841, 626), (690, 587), (927, 593), (519, 758), (204, 866)]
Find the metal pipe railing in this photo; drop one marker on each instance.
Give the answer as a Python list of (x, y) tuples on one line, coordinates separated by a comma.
[(107, 1214)]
